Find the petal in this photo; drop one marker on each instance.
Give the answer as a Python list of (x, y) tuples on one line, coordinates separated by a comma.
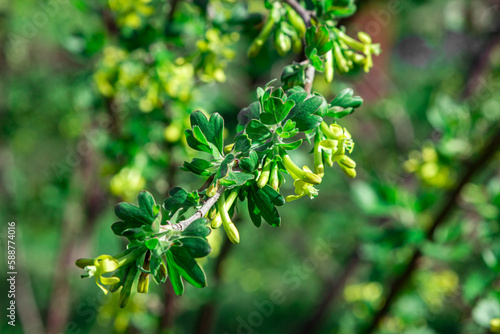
[(100, 286), (109, 280), (107, 264), (293, 197)]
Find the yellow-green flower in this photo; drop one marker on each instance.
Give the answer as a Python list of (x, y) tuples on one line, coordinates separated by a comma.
[(302, 188), (99, 266)]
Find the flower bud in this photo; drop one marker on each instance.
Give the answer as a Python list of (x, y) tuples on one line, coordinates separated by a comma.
[(282, 42), (256, 45), (350, 172), (295, 20), (228, 148), (340, 61), (264, 175), (364, 37), (319, 167), (296, 44), (305, 176), (311, 178), (495, 325), (274, 180), (254, 48), (217, 221), (211, 213), (329, 67), (348, 162), (212, 190), (231, 231), (143, 283)]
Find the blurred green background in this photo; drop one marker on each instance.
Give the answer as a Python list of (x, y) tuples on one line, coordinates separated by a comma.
[(94, 98)]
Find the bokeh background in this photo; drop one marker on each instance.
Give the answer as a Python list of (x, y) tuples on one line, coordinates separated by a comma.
[(94, 98)]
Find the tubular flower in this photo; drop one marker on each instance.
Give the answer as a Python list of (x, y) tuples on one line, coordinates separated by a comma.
[(302, 188), (304, 174), (98, 267), (339, 141), (105, 264)]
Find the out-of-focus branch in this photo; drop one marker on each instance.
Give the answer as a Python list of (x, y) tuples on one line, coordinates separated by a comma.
[(333, 288), (400, 282), (75, 235)]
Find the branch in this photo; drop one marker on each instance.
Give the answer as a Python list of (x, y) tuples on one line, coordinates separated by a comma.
[(306, 16), (334, 287), (310, 71), (182, 225), (400, 281)]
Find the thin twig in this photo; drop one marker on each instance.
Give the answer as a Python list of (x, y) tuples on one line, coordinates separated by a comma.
[(182, 225), (400, 281), (310, 71)]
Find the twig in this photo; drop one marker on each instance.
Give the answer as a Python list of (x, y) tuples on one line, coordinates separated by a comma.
[(310, 71), (400, 281), (306, 16), (182, 225)]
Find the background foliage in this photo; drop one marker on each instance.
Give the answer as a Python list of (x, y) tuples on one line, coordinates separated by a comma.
[(95, 96)]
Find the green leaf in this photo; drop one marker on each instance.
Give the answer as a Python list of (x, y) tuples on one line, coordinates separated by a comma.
[(211, 129), (316, 61), (345, 99), (127, 284), (224, 166), (236, 179), (180, 199), (303, 113), (288, 130), (197, 247), (291, 146), (120, 227), (154, 267), (273, 196), (254, 212), (195, 144), (249, 164), (198, 228), (198, 166), (188, 267), (147, 203), (174, 274), (257, 131), (293, 75), (264, 203), (151, 243), (318, 38), (132, 214), (242, 143), (248, 114)]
